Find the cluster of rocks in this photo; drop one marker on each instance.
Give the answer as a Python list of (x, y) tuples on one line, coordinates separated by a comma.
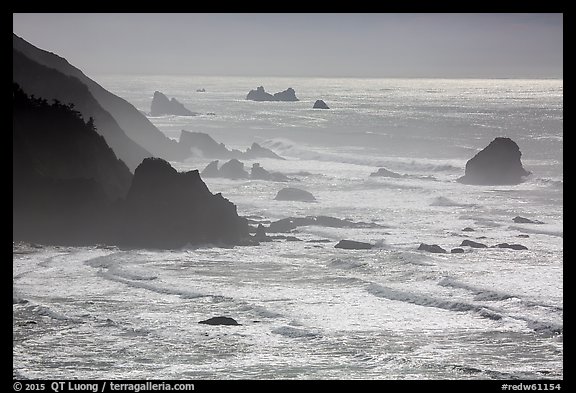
[(261, 95), (234, 169)]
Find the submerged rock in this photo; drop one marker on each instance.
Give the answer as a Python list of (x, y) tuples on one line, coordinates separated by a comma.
[(498, 163), (220, 321), (457, 250), (383, 172), (288, 224), (353, 245), (523, 220), (512, 246), (294, 194)]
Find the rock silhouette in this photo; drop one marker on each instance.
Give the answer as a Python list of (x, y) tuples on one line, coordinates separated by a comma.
[(161, 105), (498, 163), (169, 209), (50, 84), (261, 95), (431, 248), (294, 194), (319, 104)]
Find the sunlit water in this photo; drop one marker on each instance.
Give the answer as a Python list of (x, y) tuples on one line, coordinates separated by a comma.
[(308, 310)]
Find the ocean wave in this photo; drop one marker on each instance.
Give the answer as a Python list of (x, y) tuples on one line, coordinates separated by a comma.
[(537, 231), (292, 332), (429, 301), (184, 294), (286, 147), (260, 311), (481, 294), (552, 183), (444, 201), (346, 264)]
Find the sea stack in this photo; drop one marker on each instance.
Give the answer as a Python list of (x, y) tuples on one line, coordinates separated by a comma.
[(497, 164), (319, 104), (161, 105), (169, 209)]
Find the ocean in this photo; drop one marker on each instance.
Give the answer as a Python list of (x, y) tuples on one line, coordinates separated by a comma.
[(306, 309)]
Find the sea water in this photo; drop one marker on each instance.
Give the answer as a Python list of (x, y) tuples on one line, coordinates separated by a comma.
[(308, 310)]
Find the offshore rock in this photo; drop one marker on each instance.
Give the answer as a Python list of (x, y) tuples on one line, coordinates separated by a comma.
[(233, 169), (431, 248), (261, 95), (294, 194), (498, 163), (319, 104), (161, 105), (287, 95), (383, 172), (473, 244), (353, 245)]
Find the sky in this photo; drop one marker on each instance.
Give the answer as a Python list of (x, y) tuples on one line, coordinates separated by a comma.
[(371, 45)]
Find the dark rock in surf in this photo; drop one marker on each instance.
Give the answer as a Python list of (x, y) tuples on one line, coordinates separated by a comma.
[(473, 244), (431, 248), (257, 151), (512, 246), (457, 250), (353, 245), (211, 170), (294, 194), (161, 105), (261, 235), (204, 145), (383, 172), (319, 104), (498, 163), (233, 169), (523, 220), (468, 229), (259, 173), (220, 321)]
